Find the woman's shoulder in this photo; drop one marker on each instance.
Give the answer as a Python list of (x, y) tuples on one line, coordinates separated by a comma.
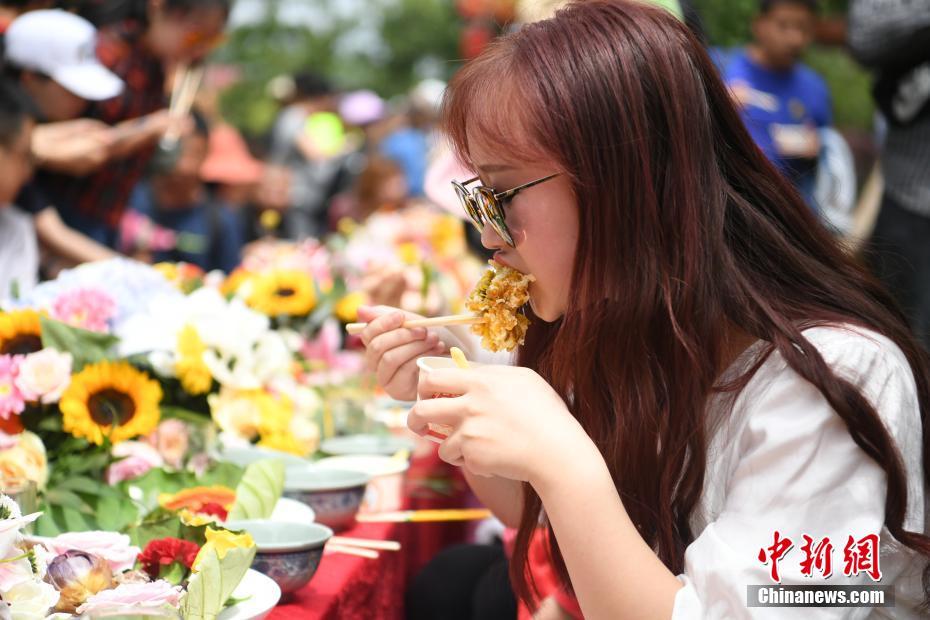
[(870, 361)]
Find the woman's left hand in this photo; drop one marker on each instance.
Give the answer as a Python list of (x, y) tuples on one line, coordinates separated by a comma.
[(507, 421)]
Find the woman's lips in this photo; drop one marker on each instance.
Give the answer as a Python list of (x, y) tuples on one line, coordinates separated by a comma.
[(499, 258)]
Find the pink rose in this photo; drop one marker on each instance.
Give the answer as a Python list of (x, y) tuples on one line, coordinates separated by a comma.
[(85, 308), (133, 598), (113, 547), (136, 458), (171, 441), (44, 375)]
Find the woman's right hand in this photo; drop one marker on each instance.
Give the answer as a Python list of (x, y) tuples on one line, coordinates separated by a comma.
[(391, 350)]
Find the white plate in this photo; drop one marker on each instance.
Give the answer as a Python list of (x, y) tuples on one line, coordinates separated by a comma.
[(291, 511), (263, 595)]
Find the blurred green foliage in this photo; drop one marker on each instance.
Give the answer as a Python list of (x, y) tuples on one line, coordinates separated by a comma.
[(418, 38), (727, 23)]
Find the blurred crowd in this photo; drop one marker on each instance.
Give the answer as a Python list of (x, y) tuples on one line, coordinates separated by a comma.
[(113, 143), (112, 140)]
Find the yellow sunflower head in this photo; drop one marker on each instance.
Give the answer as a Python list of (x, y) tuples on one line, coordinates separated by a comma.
[(110, 399), (20, 332), (284, 292)]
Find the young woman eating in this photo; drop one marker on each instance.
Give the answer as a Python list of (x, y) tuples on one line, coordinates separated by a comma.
[(706, 373)]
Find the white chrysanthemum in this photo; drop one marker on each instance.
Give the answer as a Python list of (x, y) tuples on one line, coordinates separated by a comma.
[(9, 509)]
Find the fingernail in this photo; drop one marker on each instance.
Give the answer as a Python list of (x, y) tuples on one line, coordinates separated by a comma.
[(419, 332)]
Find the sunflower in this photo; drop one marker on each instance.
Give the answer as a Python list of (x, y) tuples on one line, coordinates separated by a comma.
[(110, 399), (20, 332), (284, 292)]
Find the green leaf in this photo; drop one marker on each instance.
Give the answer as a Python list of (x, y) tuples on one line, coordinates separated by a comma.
[(214, 582), (46, 525), (259, 490), (116, 512), (226, 474), (185, 415), (50, 424), (80, 484), (85, 346), (173, 574), (68, 499), (74, 521), (160, 524)]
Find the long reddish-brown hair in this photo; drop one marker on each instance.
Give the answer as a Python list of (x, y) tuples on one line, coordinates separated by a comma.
[(686, 230)]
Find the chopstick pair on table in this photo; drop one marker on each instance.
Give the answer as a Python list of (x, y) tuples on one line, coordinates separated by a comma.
[(366, 548), (361, 547)]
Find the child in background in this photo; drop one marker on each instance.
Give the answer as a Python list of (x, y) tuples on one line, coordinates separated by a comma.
[(19, 257), (782, 101), (188, 225)]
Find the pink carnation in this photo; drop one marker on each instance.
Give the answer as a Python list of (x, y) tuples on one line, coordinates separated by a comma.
[(85, 308), (11, 399), (133, 598)]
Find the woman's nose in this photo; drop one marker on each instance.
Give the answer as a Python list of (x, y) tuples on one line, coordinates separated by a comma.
[(491, 240)]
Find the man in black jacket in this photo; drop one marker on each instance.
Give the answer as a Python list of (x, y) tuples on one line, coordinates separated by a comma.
[(893, 37)]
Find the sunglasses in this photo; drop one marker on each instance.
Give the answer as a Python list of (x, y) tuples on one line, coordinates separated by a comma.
[(483, 204)]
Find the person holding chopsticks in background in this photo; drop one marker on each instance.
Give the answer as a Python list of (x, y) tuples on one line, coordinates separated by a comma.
[(706, 370), (45, 55), (140, 40)]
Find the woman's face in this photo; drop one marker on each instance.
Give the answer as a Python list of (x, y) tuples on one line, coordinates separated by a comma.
[(184, 38), (543, 221)]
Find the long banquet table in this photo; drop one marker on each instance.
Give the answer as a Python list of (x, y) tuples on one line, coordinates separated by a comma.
[(347, 587)]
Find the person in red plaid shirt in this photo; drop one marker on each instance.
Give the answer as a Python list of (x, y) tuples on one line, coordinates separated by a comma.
[(139, 41)]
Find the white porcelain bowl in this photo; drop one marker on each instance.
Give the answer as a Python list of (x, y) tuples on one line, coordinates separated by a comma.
[(385, 489), (334, 494), (289, 553)]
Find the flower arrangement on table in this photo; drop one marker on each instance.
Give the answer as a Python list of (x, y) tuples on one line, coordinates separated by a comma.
[(91, 393), (175, 561)]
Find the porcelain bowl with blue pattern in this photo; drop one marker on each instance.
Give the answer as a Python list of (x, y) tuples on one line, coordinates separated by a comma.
[(289, 553), (334, 494)]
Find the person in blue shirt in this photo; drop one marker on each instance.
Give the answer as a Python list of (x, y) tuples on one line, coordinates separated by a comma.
[(205, 232), (783, 102)]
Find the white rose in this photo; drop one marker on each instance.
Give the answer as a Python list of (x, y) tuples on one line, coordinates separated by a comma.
[(31, 600)]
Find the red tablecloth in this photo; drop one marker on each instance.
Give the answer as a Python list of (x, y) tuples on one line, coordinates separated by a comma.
[(347, 587)]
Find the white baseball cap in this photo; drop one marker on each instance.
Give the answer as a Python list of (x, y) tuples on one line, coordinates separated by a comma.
[(62, 46)]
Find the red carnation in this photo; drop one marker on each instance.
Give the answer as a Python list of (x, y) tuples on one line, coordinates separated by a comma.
[(164, 552), (214, 510)]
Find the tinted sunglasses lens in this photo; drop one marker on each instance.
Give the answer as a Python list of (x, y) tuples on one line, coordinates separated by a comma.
[(493, 212), (471, 208)]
